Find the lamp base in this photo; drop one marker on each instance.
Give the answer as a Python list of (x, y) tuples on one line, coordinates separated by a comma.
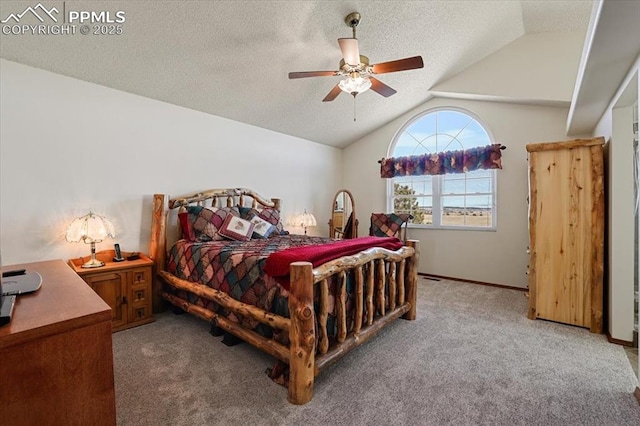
[(93, 263)]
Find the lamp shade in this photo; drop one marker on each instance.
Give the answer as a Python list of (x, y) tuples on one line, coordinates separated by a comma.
[(90, 228), (306, 219)]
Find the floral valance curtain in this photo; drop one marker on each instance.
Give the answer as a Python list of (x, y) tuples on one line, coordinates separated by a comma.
[(486, 157)]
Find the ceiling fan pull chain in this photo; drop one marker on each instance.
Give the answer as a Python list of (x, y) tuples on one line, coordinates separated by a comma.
[(354, 107)]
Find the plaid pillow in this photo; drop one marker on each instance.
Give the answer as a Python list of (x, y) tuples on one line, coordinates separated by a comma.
[(204, 222), (269, 214), (387, 224)]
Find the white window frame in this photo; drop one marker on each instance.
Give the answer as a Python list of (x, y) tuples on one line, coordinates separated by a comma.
[(438, 180)]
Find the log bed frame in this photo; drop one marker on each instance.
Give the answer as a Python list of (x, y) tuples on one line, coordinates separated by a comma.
[(387, 288)]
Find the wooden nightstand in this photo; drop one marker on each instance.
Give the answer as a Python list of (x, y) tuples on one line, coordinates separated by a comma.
[(125, 286)]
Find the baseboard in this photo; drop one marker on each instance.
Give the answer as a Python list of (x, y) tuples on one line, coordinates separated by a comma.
[(619, 342), (637, 394), (472, 281)]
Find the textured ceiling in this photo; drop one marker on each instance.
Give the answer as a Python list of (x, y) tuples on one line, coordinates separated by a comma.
[(231, 58)]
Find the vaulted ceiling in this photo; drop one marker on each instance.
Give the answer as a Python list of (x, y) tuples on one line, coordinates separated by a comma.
[(232, 58)]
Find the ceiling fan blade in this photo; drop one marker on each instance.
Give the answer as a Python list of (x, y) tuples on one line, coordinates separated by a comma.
[(381, 88), (350, 50), (304, 74), (332, 94), (398, 65)]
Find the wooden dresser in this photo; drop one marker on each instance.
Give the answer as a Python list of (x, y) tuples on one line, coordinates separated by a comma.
[(56, 358), (566, 232)]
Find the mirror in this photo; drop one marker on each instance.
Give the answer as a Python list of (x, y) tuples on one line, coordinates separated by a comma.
[(343, 222)]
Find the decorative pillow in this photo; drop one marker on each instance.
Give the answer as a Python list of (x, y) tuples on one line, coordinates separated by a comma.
[(187, 231), (247, 212), (269, 214), (388, 224), (204, 222), (236, 228), (262, 228)]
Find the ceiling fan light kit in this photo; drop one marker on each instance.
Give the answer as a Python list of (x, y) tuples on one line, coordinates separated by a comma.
[(358, 74), (355, 85)]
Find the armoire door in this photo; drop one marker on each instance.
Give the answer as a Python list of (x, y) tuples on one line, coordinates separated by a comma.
[(566, 230)]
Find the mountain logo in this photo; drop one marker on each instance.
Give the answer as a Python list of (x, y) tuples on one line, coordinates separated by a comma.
[(34, 11)]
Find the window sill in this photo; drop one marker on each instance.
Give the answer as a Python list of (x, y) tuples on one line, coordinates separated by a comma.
[(453, 228)]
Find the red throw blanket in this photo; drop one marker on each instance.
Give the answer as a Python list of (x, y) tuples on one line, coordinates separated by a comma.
[(277, 264)]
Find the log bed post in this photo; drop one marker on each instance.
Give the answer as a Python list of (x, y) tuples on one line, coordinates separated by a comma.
[(412, 280), (158, 246), (301, 334)]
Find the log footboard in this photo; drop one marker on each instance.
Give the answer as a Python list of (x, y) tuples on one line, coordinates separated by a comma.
[(311, 354)]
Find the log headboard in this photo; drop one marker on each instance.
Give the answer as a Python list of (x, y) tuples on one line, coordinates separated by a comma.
[(230, 196), (163, 205)]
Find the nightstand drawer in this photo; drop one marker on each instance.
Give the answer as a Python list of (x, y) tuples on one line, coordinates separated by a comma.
[(140, 276), (140, 313), (140, 295)]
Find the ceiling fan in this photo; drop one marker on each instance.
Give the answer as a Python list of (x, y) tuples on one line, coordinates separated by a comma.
[(357, 70)]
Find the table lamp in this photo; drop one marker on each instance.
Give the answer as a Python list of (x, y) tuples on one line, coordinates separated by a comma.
[(90, 229), (305, 220)]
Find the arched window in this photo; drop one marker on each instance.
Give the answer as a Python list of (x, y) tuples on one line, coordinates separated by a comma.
[(461, 200)]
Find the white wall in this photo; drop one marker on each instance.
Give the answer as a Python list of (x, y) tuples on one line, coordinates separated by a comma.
[(495, 257), (621, 225), (615, 125), (539, 67), (68, 146)]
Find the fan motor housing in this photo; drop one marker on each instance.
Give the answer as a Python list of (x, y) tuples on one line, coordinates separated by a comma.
[(364, 63)]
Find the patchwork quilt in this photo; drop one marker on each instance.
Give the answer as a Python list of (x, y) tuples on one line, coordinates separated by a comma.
[(236, 268)]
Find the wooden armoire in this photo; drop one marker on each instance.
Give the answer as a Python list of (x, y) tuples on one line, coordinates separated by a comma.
[(566, 232)]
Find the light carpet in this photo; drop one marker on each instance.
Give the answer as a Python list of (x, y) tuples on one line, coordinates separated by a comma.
[(470, 358)]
